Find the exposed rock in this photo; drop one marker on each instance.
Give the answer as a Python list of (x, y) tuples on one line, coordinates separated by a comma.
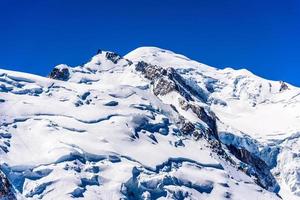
[(209, 119), (153, 72), (171, 77), (187, 127), (129, 62), (140, 66), (6, 191), (111, 103), (184, 87), (184, 105), (283, 86), (197, 134), (174, 108), (261, 170), (114, 57), (163, 86), (99, 51), (60, 74)]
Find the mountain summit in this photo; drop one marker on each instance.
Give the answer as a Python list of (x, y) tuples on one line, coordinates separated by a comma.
[(152, 124)]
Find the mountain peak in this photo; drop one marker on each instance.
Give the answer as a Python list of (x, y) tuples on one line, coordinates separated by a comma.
[(103, 117), (164, 58)]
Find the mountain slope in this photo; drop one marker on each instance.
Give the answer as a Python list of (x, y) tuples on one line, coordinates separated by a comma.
[(151, 125), (250, 107)]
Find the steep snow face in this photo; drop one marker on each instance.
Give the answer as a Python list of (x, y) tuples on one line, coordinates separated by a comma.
[(256, 114)]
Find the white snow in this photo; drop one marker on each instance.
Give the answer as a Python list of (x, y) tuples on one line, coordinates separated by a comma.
[(61, 140)]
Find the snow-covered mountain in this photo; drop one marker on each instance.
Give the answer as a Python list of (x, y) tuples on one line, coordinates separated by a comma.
[(152, 124)]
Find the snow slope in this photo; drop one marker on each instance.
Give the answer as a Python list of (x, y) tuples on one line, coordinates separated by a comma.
[(267, 111), (110, 130)]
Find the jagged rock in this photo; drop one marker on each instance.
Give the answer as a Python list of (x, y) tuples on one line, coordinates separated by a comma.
[(129, 61), (174, 108), (112, 103), (261, 169), (283, 86), (163, 86), (184, 105), (209, 119), (114, 57), (60, 74), (153, 72), (141, 66), (6, 191), (187, 127), (181, 86), (197, 134), (99, 51), (184, 88)]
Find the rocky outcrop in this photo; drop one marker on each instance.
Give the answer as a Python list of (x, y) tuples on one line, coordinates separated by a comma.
[(165, 80), (203, 115), (6, 191), (151, 72), (187, 127), (156, 73), (113, 57), (256, 167), (61, 73), (283, 86), (140, 66), (185, 86), (99, 51), (163, 86)]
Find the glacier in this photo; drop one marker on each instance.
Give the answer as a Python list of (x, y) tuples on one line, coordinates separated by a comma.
[(152, 124)]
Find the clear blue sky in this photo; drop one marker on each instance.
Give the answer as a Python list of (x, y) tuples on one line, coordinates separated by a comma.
[(260, 35)]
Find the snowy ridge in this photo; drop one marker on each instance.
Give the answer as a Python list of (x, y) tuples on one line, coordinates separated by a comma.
[(164, 128)]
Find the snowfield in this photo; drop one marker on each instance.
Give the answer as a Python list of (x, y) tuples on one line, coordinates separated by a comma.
[(150, 125)]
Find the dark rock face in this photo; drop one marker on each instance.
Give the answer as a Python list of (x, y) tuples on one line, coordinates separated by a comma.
[(129, 62), (187, 127), (60, 74), (163, 76), (283, 86), (209, 119), (6, 191), (260, 169), (99, 51), (163, 86), (111, 103), (140, 66), (184, 87), (153, 72), (114, 57)]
